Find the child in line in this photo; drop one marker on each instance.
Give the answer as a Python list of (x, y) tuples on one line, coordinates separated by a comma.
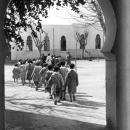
[(43, 73), (47, 76), (72, 82), (23, 72), (16, 73), (56, 82), (36, 76), (63, 72), (29, 68)]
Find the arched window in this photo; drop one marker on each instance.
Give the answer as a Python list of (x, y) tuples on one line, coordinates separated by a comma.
[(47, 43), (63, 43), (98, 42), (29, 46)]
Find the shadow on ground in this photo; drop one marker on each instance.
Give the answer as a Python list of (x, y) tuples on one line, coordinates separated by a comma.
[(81, 102), (28, 121)]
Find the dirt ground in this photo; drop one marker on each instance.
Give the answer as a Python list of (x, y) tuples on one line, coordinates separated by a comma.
[(27, 109)]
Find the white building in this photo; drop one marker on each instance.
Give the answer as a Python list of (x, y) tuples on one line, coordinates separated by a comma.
[(65, 35)]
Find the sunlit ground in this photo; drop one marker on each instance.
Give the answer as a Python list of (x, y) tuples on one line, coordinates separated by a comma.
[(24, 104)]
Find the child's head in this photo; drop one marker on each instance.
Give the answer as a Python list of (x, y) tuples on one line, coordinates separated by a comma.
[(50, 67), (62, 63), (16, 64), (30, 61), (23, 62), (38, 63), (56, 68), (45, 65), (72, 66)]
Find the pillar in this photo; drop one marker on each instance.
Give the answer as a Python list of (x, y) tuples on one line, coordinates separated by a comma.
[(110, 34), (122, 52), (111, 91), (3, 5)]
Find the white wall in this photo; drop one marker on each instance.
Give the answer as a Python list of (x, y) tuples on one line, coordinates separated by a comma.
[(59, 31)]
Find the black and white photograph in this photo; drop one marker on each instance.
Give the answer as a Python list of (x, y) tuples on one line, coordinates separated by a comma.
[(64, 65)]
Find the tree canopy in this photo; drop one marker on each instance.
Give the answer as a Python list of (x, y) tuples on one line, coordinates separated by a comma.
[(20, 12)]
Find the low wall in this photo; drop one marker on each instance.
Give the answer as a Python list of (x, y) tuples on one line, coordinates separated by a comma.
[(35, 54)]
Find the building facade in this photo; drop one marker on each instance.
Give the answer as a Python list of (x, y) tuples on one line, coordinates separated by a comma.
[(62, 39)]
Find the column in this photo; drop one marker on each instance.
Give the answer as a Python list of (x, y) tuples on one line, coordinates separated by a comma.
[(110, 91), (3, 5)]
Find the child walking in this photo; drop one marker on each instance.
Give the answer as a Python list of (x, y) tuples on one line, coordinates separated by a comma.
[(36, 75), (72, 82), (29, 68), (43, 73), (56, 82), (47, 76), (23, 72), (16, 73), (63, 72)]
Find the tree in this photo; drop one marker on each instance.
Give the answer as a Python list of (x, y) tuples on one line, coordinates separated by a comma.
[(39, 35), (20, 11), (82, 39), (90, 14)]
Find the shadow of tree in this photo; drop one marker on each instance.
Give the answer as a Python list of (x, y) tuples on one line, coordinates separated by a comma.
[(29, 121), (81, 101)]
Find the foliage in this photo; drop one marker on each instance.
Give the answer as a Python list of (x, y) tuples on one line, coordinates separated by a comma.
[(20, 12)]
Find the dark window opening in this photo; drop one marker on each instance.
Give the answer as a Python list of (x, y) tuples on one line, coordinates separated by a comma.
[(63, 43)]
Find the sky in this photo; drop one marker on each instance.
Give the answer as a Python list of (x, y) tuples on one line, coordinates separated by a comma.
[(60, 17)]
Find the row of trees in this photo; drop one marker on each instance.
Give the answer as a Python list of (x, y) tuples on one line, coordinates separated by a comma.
[(27, 14)]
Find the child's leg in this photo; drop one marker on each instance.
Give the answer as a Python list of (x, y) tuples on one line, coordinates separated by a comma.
[(70, 96), (64, 93), (36, 85), (55, 99), (29, 82), (24, 81), (14, 80), (74, 98), (60, 94), (17, 81)]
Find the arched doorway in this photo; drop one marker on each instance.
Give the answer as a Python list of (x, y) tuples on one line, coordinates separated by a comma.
[(107, 48), (63, 43)]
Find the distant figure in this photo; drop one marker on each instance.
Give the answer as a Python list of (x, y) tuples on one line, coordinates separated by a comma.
[(43, 58), (48, 59), (98, 41), (53, 61), (23, 72), (43, 73), (47, 76), (16, 73), (29, 69), (72, 82), (68, 58)]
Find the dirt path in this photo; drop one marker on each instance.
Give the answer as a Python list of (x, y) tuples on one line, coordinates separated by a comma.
[(27, 109)]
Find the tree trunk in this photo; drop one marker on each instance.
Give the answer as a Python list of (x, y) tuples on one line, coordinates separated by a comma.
[(2, 91), (83, 53), (40, 51)]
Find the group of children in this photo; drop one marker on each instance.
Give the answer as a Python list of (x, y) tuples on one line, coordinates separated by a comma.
[(56, 78)]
